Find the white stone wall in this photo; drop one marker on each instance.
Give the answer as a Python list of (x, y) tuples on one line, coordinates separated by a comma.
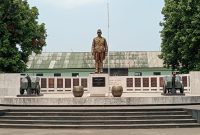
[(113, 81), (9, 84), (195, 82)]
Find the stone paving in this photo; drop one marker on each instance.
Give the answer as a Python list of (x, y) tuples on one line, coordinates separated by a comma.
[(168, 131), (195, 107)]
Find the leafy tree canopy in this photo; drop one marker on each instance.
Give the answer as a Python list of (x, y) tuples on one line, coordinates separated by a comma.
[(180, 48), (20, 35)]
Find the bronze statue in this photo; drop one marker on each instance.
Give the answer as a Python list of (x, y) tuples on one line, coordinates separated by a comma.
[(99, 51)]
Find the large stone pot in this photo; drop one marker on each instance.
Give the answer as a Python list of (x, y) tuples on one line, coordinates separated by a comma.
[(117, 91), (78, 91)]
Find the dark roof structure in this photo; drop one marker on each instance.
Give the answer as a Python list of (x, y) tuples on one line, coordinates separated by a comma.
[(123, 59)]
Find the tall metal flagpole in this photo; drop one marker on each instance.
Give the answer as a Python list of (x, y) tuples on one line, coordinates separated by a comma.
[(108, 14)]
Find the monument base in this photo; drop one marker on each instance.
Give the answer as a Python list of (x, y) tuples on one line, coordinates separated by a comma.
[(98, 95), (100, 101), (98, 85), (174, 94), (33, 95)]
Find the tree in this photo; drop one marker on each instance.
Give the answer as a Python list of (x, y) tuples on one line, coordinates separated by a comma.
[(180, 47), (20, 35)]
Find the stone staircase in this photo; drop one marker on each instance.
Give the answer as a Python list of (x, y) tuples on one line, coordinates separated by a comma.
[(96, 118)]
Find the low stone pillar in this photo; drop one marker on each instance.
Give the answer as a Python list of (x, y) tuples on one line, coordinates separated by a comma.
[(195, 82)]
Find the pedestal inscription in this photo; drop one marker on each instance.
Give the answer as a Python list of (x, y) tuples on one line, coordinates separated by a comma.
[(98, 82)]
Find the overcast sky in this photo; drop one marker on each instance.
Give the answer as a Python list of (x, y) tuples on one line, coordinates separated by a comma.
[(72, 24)]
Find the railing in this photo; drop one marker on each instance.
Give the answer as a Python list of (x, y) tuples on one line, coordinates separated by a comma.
[(140, 84)]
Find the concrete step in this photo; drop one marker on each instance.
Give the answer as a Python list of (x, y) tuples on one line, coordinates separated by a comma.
[(92, 117), (120, 126), (94, 113), (141, 117), (93, 109), (98, 122)]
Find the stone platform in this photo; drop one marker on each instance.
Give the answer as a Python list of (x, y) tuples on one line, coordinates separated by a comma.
[(175, 94), (33, 95), (64, 100)]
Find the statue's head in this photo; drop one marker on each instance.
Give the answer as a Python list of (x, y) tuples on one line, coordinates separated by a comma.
[(99, 32), (174, 73)]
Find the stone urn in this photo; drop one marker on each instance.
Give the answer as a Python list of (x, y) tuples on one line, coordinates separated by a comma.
[(117, 91), (78, 91)]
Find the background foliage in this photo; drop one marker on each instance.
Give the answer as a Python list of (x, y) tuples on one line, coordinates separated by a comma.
[(20, 35), (180, 48)]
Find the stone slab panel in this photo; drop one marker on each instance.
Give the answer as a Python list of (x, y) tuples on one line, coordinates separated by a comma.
[(9, 84), (195, 82)]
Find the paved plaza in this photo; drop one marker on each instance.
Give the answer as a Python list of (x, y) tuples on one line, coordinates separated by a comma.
[(168, 131)]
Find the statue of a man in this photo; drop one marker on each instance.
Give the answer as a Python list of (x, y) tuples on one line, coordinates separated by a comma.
[(99, 51)]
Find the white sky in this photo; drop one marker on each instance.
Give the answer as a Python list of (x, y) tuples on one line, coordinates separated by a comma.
[(72, 24), (70, 4)]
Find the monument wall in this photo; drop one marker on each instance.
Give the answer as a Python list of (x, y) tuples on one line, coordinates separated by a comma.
[(9, 84), (195, 82), (130, 84)]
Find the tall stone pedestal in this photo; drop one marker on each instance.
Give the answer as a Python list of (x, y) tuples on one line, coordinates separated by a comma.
[(98, 85)]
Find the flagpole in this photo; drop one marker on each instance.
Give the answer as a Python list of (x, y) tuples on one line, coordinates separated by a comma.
[(108, 44), (108, 15)]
